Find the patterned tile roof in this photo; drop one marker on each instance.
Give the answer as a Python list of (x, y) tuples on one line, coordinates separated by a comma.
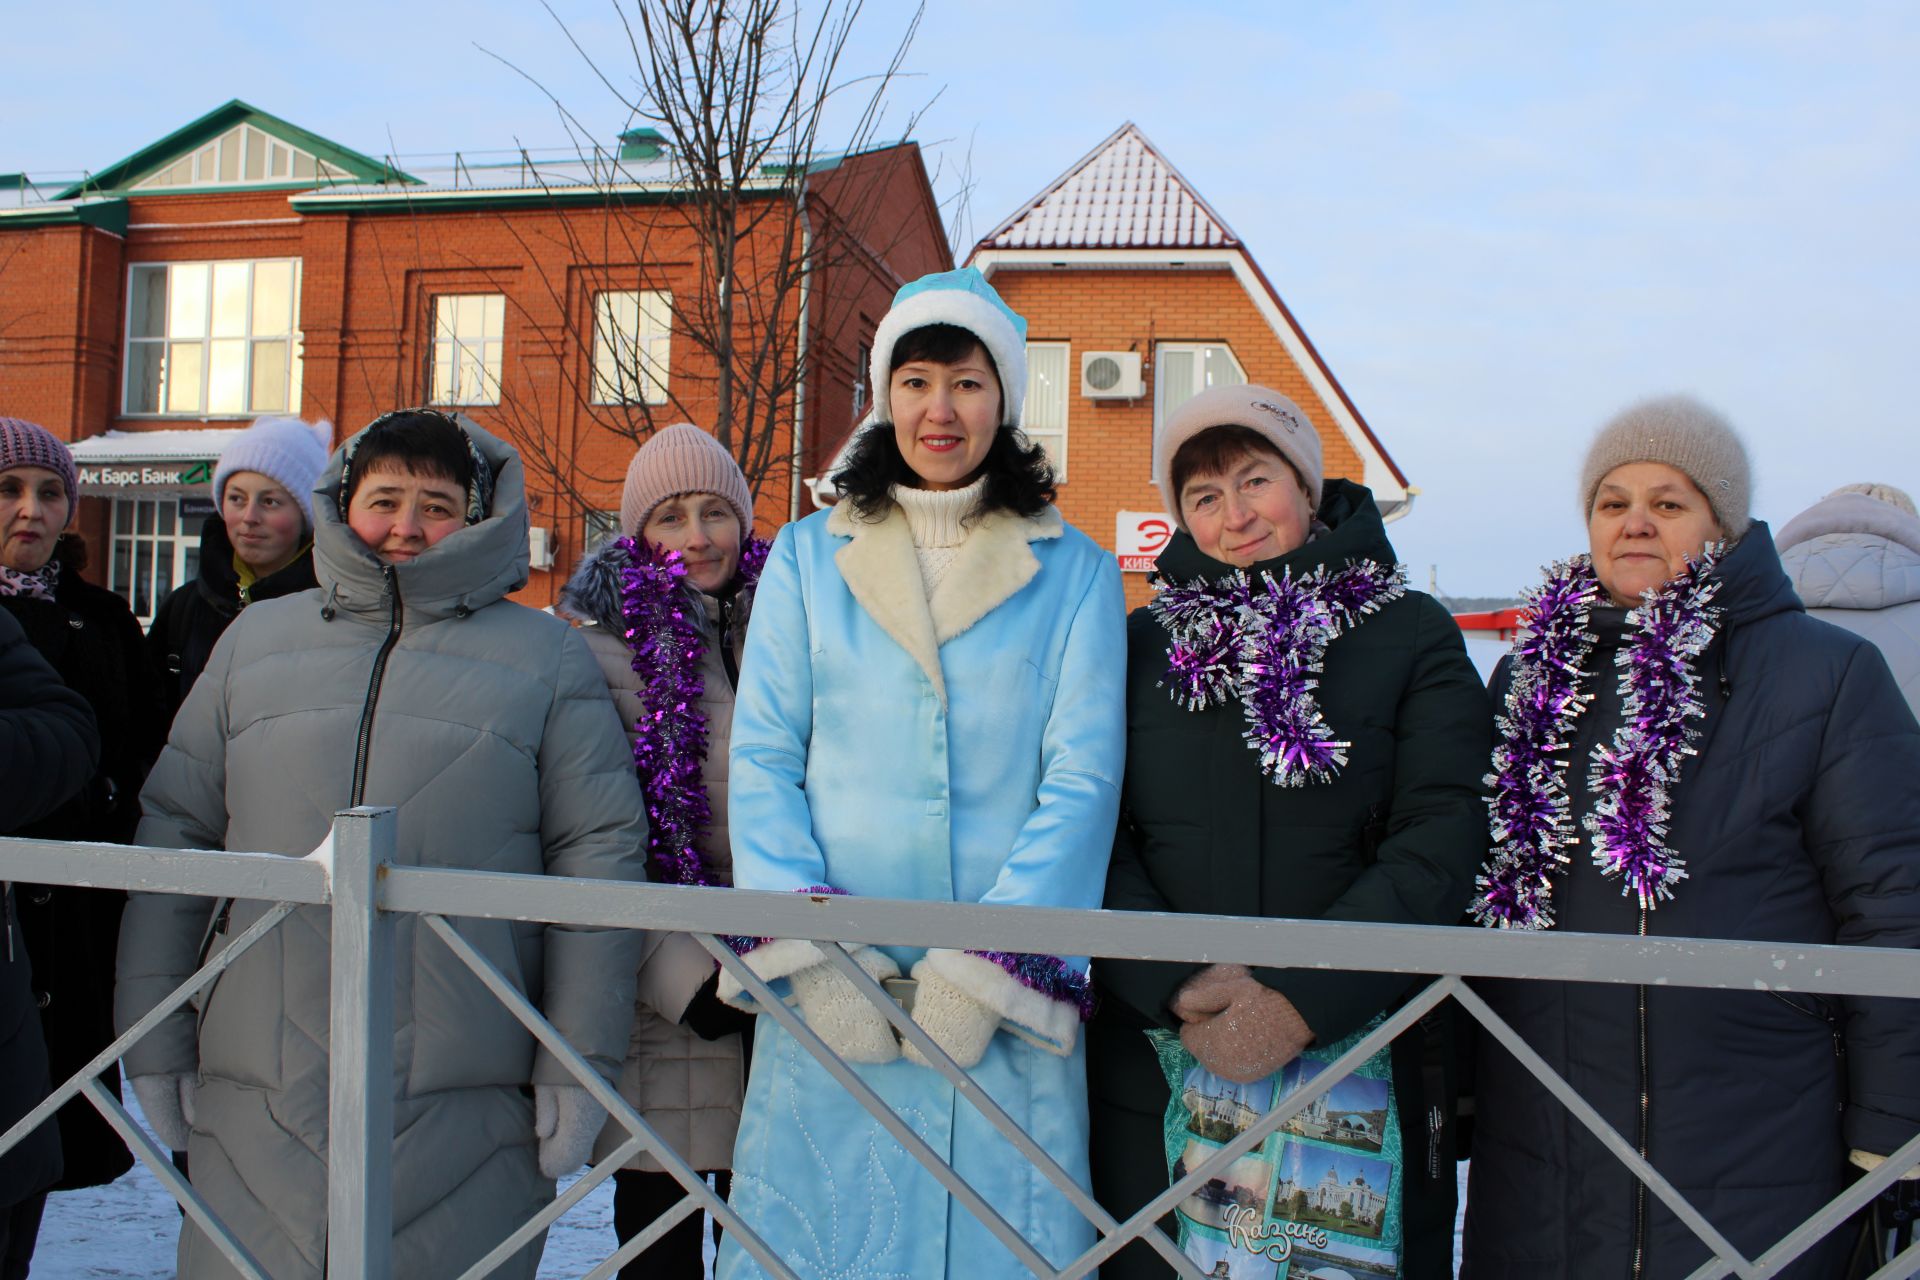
[(1122, 194)]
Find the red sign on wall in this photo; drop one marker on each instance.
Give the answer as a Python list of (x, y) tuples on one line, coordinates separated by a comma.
[(1138, 537)]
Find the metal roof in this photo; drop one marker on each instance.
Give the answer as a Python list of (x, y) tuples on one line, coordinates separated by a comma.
[(1122, 194), (189, 444)]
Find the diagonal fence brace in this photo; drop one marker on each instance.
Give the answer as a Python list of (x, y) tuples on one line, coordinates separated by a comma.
[(520, 1007)]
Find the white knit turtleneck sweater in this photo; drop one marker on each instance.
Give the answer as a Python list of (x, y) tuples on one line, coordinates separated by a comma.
[(935, 518)]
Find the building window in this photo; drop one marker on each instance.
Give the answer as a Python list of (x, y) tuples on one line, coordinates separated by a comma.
[(1046, 414), (632, 330), (1182, 370), (468, 336), (156, 547), (213, 339), (600, 526), (243, 154), (862, 370)]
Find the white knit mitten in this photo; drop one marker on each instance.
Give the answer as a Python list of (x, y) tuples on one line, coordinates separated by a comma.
[(840, 1015), (566, 1119), (166, 1100), (956, 1021)]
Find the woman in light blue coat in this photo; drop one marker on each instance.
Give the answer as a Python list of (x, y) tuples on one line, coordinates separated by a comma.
[(930, 707)]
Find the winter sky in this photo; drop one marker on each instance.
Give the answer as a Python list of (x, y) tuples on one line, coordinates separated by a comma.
[(1498, 222)]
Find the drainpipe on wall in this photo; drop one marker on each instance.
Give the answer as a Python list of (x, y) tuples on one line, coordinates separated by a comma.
[(796, 461)]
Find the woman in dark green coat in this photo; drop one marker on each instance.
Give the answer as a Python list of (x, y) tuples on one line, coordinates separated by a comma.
[(1358, 798)]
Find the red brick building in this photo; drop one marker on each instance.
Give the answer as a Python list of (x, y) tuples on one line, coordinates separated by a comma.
[(1137, 295), (243, 265)]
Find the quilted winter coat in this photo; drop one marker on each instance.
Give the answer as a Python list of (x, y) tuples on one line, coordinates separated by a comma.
[(1855, 562), (963, 749), (1799, 821), (689, 1089), (495, 738)]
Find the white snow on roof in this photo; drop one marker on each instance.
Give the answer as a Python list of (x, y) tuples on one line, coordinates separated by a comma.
[(1122, 194), (154, 446)]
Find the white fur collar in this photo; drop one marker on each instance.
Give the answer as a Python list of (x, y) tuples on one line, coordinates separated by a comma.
[(881, 570)]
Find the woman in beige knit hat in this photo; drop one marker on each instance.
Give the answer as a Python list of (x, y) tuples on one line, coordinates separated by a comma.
[(1684, 752), (685, 517)]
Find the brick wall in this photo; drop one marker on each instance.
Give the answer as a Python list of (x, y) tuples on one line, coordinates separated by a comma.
[(1110, 442)]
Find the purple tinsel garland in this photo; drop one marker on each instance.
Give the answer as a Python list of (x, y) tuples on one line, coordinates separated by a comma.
[(1048, 975), (1263, 642), (1530, 811), (670, 738)]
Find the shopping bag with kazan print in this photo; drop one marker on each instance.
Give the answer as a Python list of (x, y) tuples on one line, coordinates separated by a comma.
[(1319, 1197)]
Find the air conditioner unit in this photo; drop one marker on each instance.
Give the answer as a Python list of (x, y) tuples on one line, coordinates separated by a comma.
[(540, 547), (1110, 375)]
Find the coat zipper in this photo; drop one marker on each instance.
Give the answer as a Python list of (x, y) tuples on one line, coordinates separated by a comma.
[(1641, 1141), (365, 744)]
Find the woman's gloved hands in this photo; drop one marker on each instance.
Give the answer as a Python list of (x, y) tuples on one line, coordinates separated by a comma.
[(1239, 1028), (843, 1017), (710, 1017), (166, 1100), (566, 1119), (958, 1023)]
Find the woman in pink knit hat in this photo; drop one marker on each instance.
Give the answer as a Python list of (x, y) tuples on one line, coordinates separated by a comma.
[(685, 517)]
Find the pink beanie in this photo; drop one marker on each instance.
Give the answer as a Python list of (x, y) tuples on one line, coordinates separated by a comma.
[(1263, 410), (28, 444), (676, 460)]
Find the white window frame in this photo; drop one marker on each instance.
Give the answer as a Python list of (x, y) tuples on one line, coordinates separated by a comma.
[(1198, 350), (182, 545), (171, 347), (597, 527), (242, 156), (1051, 435), (465, 367), (630, 365)]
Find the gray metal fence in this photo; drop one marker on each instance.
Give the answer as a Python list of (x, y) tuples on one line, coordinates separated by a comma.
[(354, 874)]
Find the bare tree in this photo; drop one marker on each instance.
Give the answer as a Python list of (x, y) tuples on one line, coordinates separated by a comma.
[(739, 97)]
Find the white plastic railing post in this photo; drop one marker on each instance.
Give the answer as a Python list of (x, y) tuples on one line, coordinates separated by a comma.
[(360, 1066)]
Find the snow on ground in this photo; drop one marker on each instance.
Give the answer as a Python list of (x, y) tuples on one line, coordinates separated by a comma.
[(127, 1231)]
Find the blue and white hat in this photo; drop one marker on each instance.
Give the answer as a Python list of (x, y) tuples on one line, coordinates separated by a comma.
[(962, 298)]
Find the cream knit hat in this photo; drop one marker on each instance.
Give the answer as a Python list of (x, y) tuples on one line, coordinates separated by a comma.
[(1687, 436), (288, 451), (682, 459), (1260, 409)]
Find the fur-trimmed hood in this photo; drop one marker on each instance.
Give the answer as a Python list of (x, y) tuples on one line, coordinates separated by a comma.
[(593, 593)]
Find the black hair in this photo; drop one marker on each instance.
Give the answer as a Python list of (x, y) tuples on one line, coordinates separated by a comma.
[(1019, 478), (420, 441)]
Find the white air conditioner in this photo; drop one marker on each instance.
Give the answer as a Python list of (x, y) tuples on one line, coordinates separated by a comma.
[(1110, 375), (540, 547)]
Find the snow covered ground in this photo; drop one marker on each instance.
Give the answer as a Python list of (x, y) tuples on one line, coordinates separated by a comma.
[(127, 1232)]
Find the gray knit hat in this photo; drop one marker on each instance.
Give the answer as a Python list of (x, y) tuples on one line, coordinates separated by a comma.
[(1687, 436)]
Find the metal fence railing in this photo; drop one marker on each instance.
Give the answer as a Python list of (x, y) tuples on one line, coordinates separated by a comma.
[(354, 874)]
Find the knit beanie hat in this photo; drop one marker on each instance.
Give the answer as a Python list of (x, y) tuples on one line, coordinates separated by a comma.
[(28, 444), (682, 459), (962, 298), (1879, 493), (288, 451), (1277, 419), (1687, 436)]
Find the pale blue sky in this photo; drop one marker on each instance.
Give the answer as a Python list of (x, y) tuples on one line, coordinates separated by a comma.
[(1498, 222)]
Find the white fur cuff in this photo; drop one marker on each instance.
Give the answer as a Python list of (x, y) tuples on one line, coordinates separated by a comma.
[(1055, 1022), (770, 961)]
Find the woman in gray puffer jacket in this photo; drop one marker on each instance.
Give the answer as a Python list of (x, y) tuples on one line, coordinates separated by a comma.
[(685, 1069), (1854, 559), (495, 740)]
